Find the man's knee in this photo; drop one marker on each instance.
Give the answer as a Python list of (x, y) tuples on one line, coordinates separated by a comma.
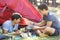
[(49, 30)]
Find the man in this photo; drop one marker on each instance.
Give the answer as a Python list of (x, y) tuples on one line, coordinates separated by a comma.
[(10, 26), (50, 22)]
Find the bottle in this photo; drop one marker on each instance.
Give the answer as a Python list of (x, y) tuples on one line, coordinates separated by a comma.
[(29, 34), (0, 31)]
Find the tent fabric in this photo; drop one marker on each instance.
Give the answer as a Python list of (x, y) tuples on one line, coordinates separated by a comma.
[(6, 15), (23, 23), (25, 8), (22, 6)]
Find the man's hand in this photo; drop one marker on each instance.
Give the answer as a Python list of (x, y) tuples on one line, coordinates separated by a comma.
[(16, 32), (42, 23), (38, 28)]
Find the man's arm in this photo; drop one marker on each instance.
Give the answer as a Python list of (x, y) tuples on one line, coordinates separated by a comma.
[(5, 32), (49, 23), (16, 32), (40, 28), (42, 23), (5, 28)]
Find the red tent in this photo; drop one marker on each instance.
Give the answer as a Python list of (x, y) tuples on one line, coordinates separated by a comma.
[(25, 9), (21, 6)]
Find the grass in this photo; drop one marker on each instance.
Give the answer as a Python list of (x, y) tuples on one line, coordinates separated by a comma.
[(44, 38), (40, 38)]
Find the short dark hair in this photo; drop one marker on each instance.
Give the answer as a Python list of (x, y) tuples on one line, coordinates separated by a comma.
[(43, 6), (16, 16)]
